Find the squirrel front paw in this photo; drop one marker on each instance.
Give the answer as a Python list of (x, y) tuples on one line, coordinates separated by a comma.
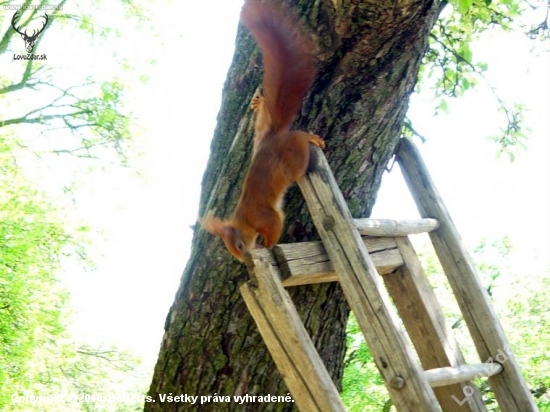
[(257, 100)]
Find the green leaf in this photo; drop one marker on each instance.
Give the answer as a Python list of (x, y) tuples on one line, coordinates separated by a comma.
[(443, 106), (482, 66), (465, 51), (464, 6)]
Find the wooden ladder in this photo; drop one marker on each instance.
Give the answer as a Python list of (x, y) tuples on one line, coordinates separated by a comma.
[(361, 265)]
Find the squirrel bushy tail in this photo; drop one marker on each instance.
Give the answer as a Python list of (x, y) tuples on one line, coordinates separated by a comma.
[(289, 65)]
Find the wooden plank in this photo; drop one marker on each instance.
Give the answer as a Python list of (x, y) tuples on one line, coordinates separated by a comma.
[(287, 339), (427, 327), (308, 262), (463, 373), (509, 387), (408, 388), (389, 227)]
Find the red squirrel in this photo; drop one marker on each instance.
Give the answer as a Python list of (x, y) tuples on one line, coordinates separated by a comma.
[(280, 155)]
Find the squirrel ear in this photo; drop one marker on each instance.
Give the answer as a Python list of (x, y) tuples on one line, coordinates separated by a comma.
[(212, 225), (216, 226)]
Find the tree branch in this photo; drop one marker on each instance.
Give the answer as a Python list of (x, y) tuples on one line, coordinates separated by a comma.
[(6, 38), (10, 31), (476, 70)]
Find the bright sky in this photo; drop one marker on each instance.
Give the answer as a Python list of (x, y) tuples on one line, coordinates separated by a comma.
[(145, 239)]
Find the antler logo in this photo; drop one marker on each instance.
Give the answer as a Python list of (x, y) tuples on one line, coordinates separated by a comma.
[(29, 39)]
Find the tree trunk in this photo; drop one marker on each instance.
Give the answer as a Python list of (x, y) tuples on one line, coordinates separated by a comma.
[(369, 56)]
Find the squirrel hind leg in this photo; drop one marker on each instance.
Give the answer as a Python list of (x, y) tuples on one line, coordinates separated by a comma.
[(305, 137), (316, 140)]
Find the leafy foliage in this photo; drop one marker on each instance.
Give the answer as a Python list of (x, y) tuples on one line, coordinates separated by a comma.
[(91, 111), (85, 373), (363, 387), (31, 242), (82, 117), (37, 355), (528, 327), (450, 68)]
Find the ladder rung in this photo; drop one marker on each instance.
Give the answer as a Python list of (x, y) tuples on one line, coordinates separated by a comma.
[(307, 262), (389, 227), (463, 373)]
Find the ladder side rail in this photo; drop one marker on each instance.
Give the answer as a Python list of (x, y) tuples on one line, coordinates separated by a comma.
[(287, 339), (428, 329), (362, 286), (510, 388)]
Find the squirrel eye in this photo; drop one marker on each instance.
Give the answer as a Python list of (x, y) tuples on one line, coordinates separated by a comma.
[(240, 245)]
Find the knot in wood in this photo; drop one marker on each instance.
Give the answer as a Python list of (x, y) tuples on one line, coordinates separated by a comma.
[(328, 223), (397, 382)]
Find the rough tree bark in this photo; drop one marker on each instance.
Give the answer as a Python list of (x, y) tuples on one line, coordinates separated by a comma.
[(369, 55)]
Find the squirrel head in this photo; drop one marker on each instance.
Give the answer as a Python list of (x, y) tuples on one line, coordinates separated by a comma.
[(237, 240)]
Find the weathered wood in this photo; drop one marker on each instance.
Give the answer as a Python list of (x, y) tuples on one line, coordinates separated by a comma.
[(287, 339), (463, 373), (389, 227), (307, 262), (363, 288), (509, 387), (425, 322)]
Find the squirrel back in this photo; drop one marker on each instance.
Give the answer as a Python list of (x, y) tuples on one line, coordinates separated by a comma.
[(280, 156)]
